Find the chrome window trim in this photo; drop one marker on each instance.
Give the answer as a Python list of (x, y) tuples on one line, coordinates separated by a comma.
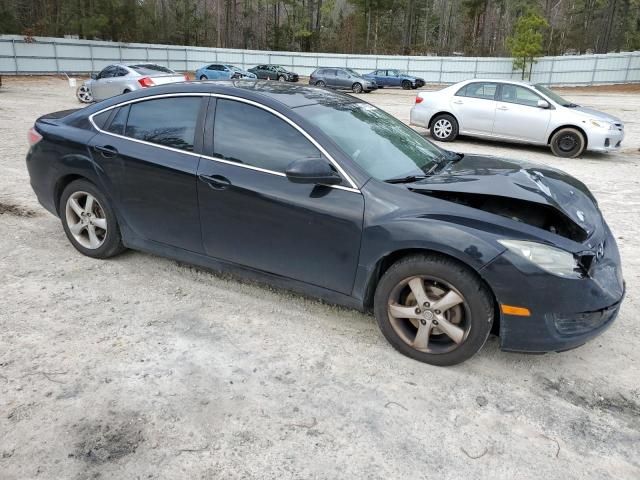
[(352, 188)]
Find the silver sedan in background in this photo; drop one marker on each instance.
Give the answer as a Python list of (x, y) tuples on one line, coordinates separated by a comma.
[(516, 111), (116, 79)]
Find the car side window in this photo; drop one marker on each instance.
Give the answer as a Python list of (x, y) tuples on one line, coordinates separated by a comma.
[(252, 136), (391, 73), (519, 95), (121, 72), (341, 74), (119, 121), (483, 90), (107, 72), (148, 121)]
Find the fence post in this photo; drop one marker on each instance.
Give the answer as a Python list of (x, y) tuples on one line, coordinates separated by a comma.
[(408, 60), (15, 55), (553, 63), (626, 74), (120, 52), (475, 69), (595, 69), (186, 61), (147, 50), (244, 65), (93, 67), (55, 54), (168, 59), (440, 73)]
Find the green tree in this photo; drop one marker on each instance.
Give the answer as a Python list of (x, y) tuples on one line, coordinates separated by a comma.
[(526, 42)]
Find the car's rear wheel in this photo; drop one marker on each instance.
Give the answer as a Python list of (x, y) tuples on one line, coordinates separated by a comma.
[(203, 77), (444, 128), (356, 87), (433, 309), (406, 84), (568, 143), (320, 83), (83, 93), (89, 221)]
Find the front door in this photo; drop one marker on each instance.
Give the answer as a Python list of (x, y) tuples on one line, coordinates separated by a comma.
[(518, 116), (149, 159), (100, 87), (252, 215)]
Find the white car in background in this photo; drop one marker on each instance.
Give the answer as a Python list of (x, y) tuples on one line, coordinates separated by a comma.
[(516, 111), (116, 79)]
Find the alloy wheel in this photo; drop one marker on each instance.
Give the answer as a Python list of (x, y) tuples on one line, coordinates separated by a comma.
[(429, 314), (84, 94), (442, 128), (86, 220)]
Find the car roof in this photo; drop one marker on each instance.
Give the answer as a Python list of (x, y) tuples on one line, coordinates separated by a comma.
[(262, 91), (499, 80)]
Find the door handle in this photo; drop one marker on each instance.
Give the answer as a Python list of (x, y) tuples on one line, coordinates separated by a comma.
[(217, 182), (503, 108), (459, 102), (106, 150)]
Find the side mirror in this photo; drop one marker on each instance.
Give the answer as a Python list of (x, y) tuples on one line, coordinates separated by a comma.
[(312, 170), (94, 76), (543, 104)]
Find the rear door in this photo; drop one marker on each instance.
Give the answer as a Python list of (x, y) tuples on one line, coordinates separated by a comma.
[(330, 77), (474, 105), (151, 160), (393, 80), (518, 116), (252, 215)]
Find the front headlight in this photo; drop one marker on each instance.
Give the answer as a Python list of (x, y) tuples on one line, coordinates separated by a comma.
[(550, 259), (601, 124)]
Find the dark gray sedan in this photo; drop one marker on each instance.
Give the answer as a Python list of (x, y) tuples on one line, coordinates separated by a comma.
[(342, 78)]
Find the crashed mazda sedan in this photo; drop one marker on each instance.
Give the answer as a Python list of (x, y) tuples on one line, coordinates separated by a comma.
[(324, 194)]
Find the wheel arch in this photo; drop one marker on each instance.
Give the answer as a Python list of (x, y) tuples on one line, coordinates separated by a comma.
[(575, 127), (62, 183), (442, 112), (386, 261)]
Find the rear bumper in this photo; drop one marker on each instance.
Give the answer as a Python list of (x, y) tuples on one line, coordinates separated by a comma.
[(605, 140), (420, 116), (565, 312)]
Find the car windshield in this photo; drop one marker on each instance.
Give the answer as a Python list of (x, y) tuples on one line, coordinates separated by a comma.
[(382, 145), (149, 68), (279, 68), (233, 68), (352, 72), (553, 96)]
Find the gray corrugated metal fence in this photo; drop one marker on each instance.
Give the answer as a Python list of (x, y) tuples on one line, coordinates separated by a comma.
[(56, 55)]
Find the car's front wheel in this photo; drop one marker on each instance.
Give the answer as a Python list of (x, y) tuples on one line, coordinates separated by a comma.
[(568, 143), (406, 85), (89, 220), (433, 309), (444, 128), (83, 93), (203, 77), (357, 88)]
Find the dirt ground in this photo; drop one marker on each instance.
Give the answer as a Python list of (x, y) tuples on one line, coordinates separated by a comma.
[(141, 367)]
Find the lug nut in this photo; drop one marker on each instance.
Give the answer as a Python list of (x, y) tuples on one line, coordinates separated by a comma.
[(426, 305), (435, 322), (423, 321), (417, 310), (437, 312)]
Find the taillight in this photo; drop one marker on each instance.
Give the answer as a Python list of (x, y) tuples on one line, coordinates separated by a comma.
[(33, 136), (146, 82), (186, 78), (419, 99)]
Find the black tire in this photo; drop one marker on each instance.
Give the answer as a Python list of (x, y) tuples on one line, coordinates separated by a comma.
[(203, 77), (368, 91), (568, 143), (126, 90), (439, 129), (112, 240), (356, 87), (477, 308), (406, 85), (320, 83), (282, 78), (414, 87)]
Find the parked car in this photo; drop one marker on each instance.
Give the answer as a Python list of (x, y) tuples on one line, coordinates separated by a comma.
[(337, 199), (274, 72), (342, 78), (395, 78), (516, 111), (116, 79), (219, 71)]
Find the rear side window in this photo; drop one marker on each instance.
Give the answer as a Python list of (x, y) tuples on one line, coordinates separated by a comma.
[(145, 68), (252, 136), (166, 121), (486, 91), (119, 121), (101, 118)]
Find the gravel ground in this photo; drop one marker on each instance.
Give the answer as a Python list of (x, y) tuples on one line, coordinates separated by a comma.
[(141, 367)]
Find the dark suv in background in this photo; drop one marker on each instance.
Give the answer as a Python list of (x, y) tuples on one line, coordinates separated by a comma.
[(342, 78), (274, 72)]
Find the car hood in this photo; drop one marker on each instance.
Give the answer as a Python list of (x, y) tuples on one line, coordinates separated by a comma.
[(498, 177), (587, 112)]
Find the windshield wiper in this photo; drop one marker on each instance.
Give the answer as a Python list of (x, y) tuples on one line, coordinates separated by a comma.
[(407, 179)]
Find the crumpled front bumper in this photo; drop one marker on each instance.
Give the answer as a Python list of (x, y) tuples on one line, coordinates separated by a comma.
[(601, 140), (565, 312)]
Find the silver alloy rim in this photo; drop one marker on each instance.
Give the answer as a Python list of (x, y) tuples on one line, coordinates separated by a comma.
[(281, 79), (357, 88), (429, 314), (442, 128), (84, 94), (86, 220)]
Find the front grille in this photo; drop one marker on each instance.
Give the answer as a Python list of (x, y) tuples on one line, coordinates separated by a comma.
[(579, 323)]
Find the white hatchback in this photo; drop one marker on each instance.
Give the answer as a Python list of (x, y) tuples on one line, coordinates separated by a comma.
[(516, 111)]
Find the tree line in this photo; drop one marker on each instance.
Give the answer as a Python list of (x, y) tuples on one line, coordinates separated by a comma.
[(417, 27)]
